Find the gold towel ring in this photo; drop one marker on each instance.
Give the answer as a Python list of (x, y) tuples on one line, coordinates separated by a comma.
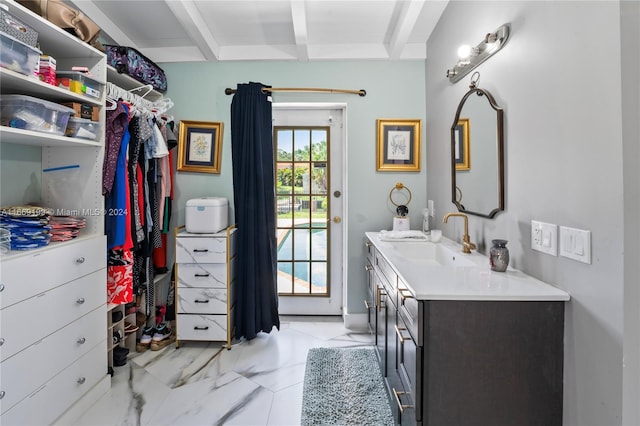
[(399, 187)]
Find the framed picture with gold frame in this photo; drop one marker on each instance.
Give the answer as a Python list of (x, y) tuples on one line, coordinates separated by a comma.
[(398, 146), (200, 146), (461, 152)]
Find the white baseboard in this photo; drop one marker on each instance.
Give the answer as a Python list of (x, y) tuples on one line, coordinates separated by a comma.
[(357, 322)]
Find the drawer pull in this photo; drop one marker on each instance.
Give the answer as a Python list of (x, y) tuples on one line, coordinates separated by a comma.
[(404, 296), (2, 394), (397, 394), (201, 301), (81, 380), (1, 287), (200, 250), (197, 327), (1, 341), (81, 340), (80, 260), (399, 331), (80, 301), (368, 268), (379, 294), (201, 275)]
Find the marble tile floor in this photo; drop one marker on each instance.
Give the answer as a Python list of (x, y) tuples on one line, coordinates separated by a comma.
[(257, 382)]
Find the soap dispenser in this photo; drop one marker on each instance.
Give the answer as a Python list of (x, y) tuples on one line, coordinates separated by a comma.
[(425, 222)]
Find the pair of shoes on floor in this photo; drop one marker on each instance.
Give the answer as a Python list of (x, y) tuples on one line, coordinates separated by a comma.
[(145, 339), (156, 338), (163, 336)]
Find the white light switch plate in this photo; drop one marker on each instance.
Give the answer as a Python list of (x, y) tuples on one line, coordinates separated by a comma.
[(575, 244), (544, 237)]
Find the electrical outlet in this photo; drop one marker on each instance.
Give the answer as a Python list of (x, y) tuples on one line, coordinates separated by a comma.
[(575, 244), (432, 210), (544, 237)]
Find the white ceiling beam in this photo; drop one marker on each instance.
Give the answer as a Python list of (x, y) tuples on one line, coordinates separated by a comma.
[(404, 27), (107, 26), (299, 19), (194, 24)]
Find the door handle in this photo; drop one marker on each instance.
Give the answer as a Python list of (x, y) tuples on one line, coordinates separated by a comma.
[(337, 219)]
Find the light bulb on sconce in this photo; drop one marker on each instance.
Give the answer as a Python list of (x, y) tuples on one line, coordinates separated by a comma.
[(472, 56), (464, 51)]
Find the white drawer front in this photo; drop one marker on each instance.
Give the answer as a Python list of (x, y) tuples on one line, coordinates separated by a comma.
[(26, 276), (212, 275), (24, 373), (27, 322), (202, 327), (202, 301), (53, 398), (201, 250)]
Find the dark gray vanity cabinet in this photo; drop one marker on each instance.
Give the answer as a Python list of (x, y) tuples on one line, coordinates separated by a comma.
[(467, 362), (492, 362)]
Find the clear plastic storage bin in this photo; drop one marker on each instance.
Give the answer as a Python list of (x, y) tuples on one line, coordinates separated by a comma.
[(79, 82), (83, 128), (29, 113), (18, 56)]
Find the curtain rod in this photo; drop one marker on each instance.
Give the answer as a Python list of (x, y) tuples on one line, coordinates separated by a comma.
[(360, 92)]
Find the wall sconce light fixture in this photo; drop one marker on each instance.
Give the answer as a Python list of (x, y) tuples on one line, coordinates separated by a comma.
[(471, 57)]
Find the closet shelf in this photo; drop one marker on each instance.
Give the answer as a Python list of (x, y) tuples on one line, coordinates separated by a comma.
[(13, 82), (129, 83), (29, 137)]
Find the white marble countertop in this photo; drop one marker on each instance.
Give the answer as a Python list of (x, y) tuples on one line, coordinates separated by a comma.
[(476, 281)]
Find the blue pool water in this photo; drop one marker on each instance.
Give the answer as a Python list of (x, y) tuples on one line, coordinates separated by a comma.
[(301, 269)]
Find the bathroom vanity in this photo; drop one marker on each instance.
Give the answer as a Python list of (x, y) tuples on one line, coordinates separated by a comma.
[(459, 344)]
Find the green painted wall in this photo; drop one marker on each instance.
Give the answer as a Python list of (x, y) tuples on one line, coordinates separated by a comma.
[(394, 90)]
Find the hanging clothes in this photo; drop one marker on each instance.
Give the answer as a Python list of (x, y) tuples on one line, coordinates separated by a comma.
[(115, 125), (119, 240), (136, 185)]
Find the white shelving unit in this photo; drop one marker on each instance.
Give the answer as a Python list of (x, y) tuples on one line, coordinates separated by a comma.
[(53, 356)]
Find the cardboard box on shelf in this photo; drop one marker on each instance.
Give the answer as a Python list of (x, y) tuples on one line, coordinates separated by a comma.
[(84, 110)]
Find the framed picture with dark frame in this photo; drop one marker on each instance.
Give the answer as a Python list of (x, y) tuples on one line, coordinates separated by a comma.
[(462, 154), (398, 146), (200, 146)]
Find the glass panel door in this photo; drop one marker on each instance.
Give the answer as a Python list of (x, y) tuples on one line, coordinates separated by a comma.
[(302, 210)]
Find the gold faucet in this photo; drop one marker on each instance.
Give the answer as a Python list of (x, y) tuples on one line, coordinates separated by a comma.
[(467, 245)]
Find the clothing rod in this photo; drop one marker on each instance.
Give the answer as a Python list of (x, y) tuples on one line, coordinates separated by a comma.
[(360, 92)]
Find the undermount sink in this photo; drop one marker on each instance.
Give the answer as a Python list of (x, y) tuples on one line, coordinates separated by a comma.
[(431, 253)]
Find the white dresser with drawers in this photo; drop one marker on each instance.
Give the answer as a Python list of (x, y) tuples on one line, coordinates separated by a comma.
[(204, 283), (53, 316)]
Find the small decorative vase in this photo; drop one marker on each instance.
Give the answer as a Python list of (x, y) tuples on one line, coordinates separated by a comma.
[(499, 255)]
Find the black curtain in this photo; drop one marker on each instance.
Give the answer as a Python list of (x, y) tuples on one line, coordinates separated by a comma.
[(256, 297)]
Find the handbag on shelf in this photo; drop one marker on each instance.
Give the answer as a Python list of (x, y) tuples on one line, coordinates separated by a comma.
[(67, 18)]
